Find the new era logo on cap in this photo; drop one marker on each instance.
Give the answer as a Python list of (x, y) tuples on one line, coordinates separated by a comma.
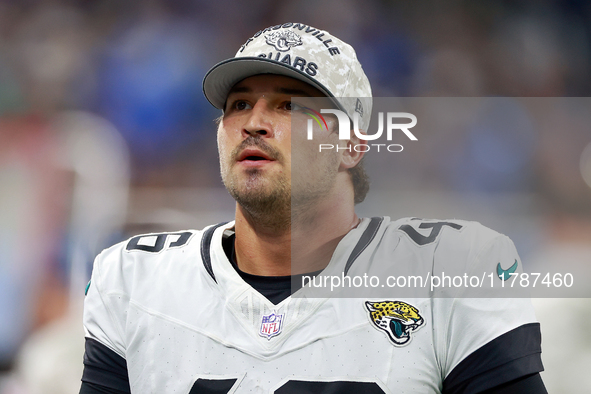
[(301, 52)]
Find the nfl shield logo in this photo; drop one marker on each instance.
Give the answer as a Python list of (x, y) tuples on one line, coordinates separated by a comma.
[(271, 325)]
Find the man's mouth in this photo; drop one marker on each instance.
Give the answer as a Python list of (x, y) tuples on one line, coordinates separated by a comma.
[(253, 155)]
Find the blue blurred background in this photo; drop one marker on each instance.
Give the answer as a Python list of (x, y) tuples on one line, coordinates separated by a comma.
[(105, 133)]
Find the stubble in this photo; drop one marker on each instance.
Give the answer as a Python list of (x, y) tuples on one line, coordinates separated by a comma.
[(267, 199)]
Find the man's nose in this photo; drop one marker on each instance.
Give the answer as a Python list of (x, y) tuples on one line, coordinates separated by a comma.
[(260, 120)]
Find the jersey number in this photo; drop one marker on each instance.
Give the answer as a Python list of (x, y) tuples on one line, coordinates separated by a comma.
[(223, 386), (435, 227), (154, 243)]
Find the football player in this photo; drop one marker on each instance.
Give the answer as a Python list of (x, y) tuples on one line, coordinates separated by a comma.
[(214, 310)]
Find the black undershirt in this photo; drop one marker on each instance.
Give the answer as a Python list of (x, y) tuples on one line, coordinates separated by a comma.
[(274, 288)]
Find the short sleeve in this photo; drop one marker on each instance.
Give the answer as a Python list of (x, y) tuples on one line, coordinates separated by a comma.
[(493, 339), (106, 302)]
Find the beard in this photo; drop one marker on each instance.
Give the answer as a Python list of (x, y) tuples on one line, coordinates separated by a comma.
[(266, 199), (279, 200), (313, 178)]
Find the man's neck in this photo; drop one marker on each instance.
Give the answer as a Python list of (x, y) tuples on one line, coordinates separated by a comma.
[(305, 246)]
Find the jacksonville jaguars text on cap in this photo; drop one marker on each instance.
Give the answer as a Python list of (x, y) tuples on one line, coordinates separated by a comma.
[(311, 68), (284, 40), (333, 50)]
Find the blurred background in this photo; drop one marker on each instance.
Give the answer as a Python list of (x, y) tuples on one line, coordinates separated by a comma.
[(105, 133)]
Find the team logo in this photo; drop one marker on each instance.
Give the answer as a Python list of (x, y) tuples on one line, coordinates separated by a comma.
[(271, 325), (396, 318), (283, 40), (505, 274)]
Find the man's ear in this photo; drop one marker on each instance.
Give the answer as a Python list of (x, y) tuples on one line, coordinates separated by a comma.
[(354, 151)]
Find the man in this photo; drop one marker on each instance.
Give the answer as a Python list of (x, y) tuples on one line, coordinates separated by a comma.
[(213, 311)]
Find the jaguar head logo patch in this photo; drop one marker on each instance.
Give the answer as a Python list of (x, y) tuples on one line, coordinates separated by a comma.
[(283, 40), (396, 318)]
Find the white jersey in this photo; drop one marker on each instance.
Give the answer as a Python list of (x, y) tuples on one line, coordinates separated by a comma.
[(173, 306)]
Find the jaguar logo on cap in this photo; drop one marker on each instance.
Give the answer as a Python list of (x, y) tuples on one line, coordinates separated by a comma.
[(283, 40)]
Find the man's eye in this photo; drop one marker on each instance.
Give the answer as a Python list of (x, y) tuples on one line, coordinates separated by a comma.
[(241, 105), (290, 106)]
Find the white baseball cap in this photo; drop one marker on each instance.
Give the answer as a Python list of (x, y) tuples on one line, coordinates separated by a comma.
[(301, 52)]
